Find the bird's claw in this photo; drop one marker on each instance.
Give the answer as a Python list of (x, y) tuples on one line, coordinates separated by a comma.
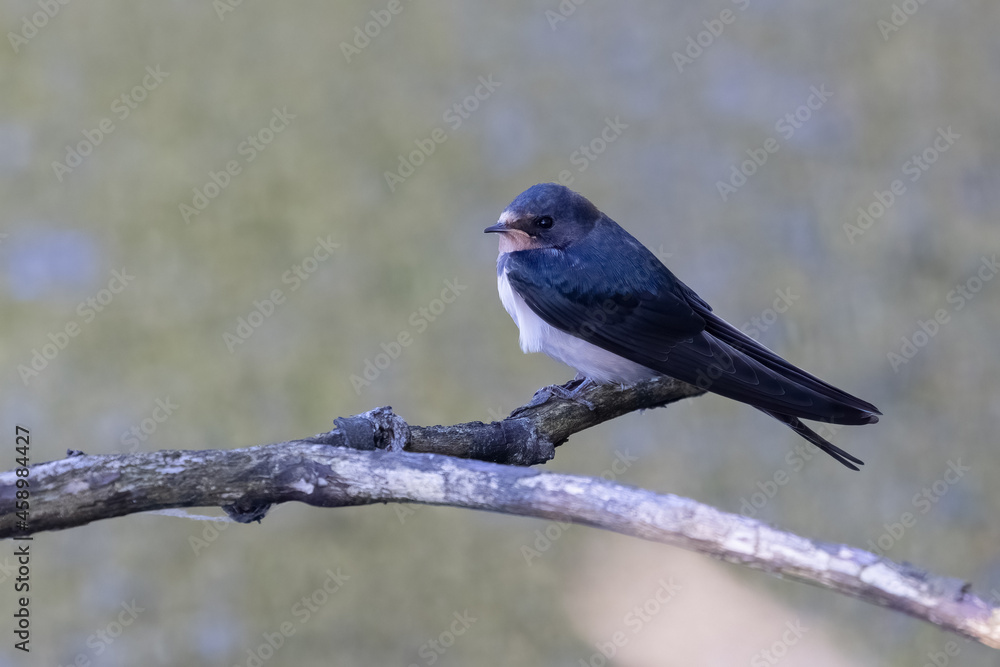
[(569, 392)]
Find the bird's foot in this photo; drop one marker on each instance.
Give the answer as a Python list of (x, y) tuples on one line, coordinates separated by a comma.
[(571, 391)]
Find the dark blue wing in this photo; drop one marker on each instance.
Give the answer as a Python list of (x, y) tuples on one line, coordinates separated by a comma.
[(629, 304), (611, 291)]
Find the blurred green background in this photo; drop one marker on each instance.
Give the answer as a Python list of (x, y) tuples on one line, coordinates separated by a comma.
[(698, 85)]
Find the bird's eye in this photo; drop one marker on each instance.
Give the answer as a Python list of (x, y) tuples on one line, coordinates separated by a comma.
[(544, 222)]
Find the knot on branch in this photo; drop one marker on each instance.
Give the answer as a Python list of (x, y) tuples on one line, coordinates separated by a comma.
[(380, 428), (247, 510), (513, 442)]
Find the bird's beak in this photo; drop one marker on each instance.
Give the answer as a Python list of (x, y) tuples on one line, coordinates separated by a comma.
[(497, 228)]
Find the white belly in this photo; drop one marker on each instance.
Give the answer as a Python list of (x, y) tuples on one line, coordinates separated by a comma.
[(538, 336)]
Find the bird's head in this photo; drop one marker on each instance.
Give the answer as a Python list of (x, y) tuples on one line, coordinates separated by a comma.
[(547, 215)]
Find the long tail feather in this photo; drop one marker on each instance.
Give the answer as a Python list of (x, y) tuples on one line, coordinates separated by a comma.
[(813, 437)]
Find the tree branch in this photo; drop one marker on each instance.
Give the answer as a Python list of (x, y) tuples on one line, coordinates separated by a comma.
[(377, 457)]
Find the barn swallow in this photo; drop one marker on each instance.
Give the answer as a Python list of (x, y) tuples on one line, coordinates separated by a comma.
[(585, 292)]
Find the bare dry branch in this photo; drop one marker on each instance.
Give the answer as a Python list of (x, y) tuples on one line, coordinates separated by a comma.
[(377, 457)]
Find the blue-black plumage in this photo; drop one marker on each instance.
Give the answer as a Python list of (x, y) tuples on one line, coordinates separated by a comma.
[(584, 291)]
